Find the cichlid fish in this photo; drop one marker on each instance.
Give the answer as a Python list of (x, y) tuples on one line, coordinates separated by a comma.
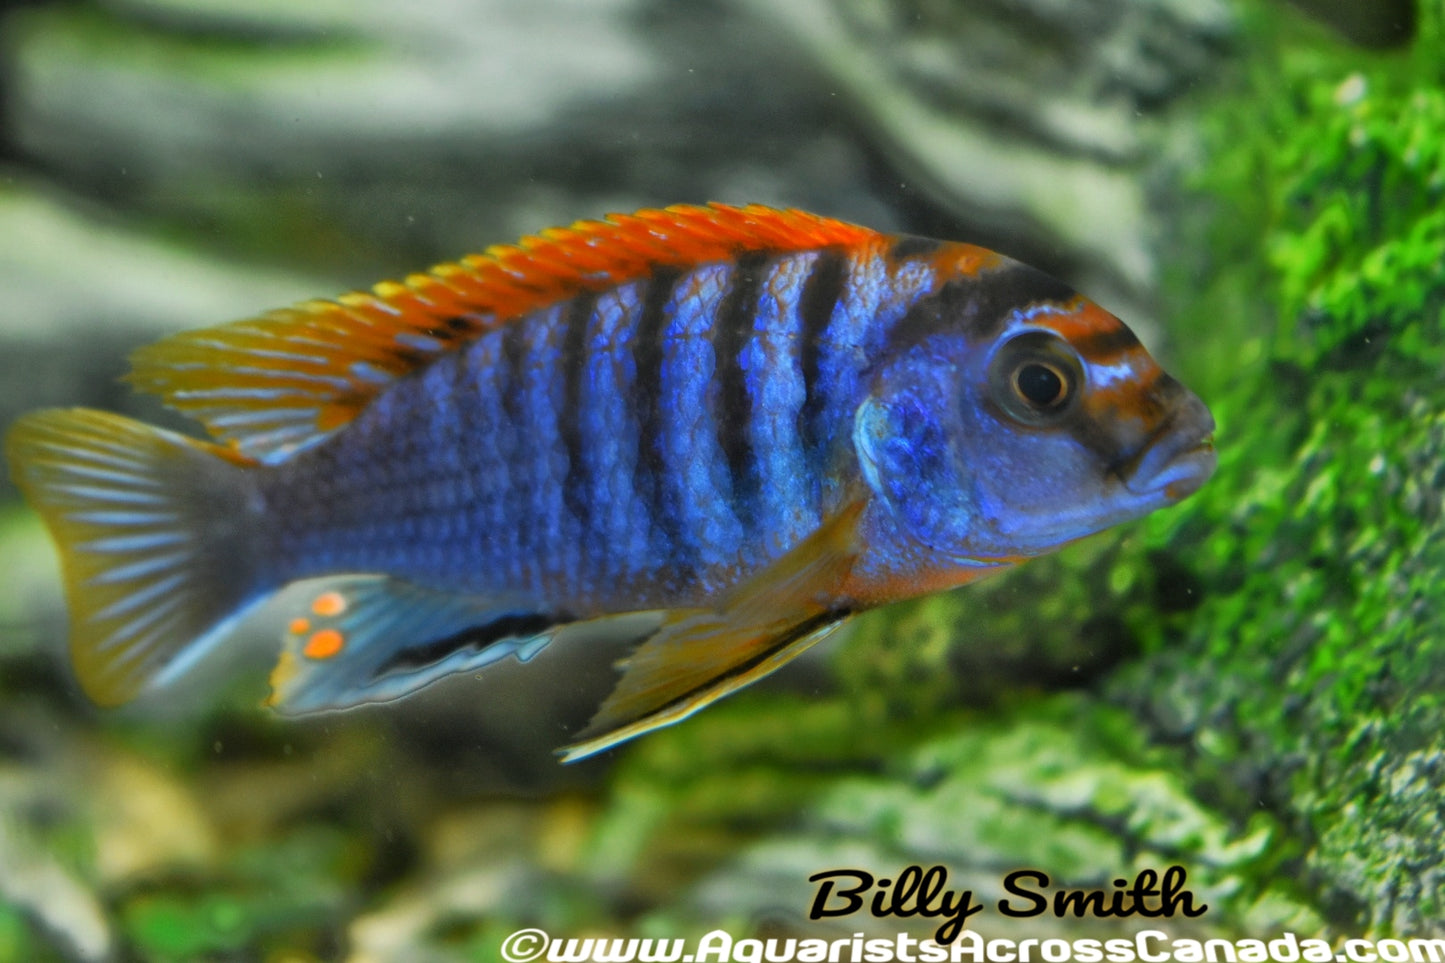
[(740, 425)]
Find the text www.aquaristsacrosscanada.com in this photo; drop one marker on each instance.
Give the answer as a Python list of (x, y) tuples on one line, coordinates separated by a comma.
[(1146, 946)]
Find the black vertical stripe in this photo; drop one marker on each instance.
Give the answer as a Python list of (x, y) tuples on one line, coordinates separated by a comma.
[(512, 438), (733, 330), (821, 293), (514, 377), (573, 361), (648, 356)]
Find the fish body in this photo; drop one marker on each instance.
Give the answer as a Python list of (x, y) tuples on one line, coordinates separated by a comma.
[(646, 447), (747, 423)]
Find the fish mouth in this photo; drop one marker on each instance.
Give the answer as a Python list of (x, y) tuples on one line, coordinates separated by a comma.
[(1179, 477), (1178, 459)]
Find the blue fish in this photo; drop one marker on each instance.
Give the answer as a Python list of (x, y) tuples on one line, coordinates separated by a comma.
[(734, 426)]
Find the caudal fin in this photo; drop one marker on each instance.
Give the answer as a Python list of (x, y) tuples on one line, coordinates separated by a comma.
[(154, 539)]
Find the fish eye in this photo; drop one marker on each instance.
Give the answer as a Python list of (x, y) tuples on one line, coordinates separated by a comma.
[(1040, 384), (1035, 378)]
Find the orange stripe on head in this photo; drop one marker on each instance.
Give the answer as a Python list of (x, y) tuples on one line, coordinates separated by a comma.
[(956, 259), (1110, 348), (1132, 398), (1120, 372), (1079, 320)]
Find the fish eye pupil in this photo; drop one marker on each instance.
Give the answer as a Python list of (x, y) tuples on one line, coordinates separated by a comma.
[(1041, 385)]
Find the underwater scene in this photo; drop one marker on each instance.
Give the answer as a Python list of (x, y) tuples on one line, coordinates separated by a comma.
[(950, 614)]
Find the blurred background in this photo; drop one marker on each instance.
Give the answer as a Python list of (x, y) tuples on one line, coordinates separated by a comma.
[(1247, 685)]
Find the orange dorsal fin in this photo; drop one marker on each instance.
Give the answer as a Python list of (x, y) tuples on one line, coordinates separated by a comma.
[(278, 382)]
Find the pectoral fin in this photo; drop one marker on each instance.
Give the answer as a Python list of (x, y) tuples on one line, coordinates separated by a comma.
[(698, 656)]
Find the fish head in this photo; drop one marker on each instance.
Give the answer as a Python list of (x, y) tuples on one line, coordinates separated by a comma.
[(1054, 424)]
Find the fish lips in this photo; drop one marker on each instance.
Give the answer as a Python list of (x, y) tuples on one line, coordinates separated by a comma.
[(1178, 459)]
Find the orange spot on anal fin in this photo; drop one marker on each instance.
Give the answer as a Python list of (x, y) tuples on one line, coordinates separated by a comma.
[(329, 604), (324, 644)]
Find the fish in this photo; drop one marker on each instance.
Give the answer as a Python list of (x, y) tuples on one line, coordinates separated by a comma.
[(728, 428)]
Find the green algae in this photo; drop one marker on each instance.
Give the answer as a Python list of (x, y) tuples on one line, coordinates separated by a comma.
[(1307, 680)]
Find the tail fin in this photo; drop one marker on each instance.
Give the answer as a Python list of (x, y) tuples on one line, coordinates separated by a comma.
[(154, 540)]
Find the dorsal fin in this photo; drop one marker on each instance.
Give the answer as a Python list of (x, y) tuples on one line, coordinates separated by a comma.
[(283, 380)]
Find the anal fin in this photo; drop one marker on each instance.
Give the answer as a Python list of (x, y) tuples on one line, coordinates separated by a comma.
[(371, 638), (699, 656)]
